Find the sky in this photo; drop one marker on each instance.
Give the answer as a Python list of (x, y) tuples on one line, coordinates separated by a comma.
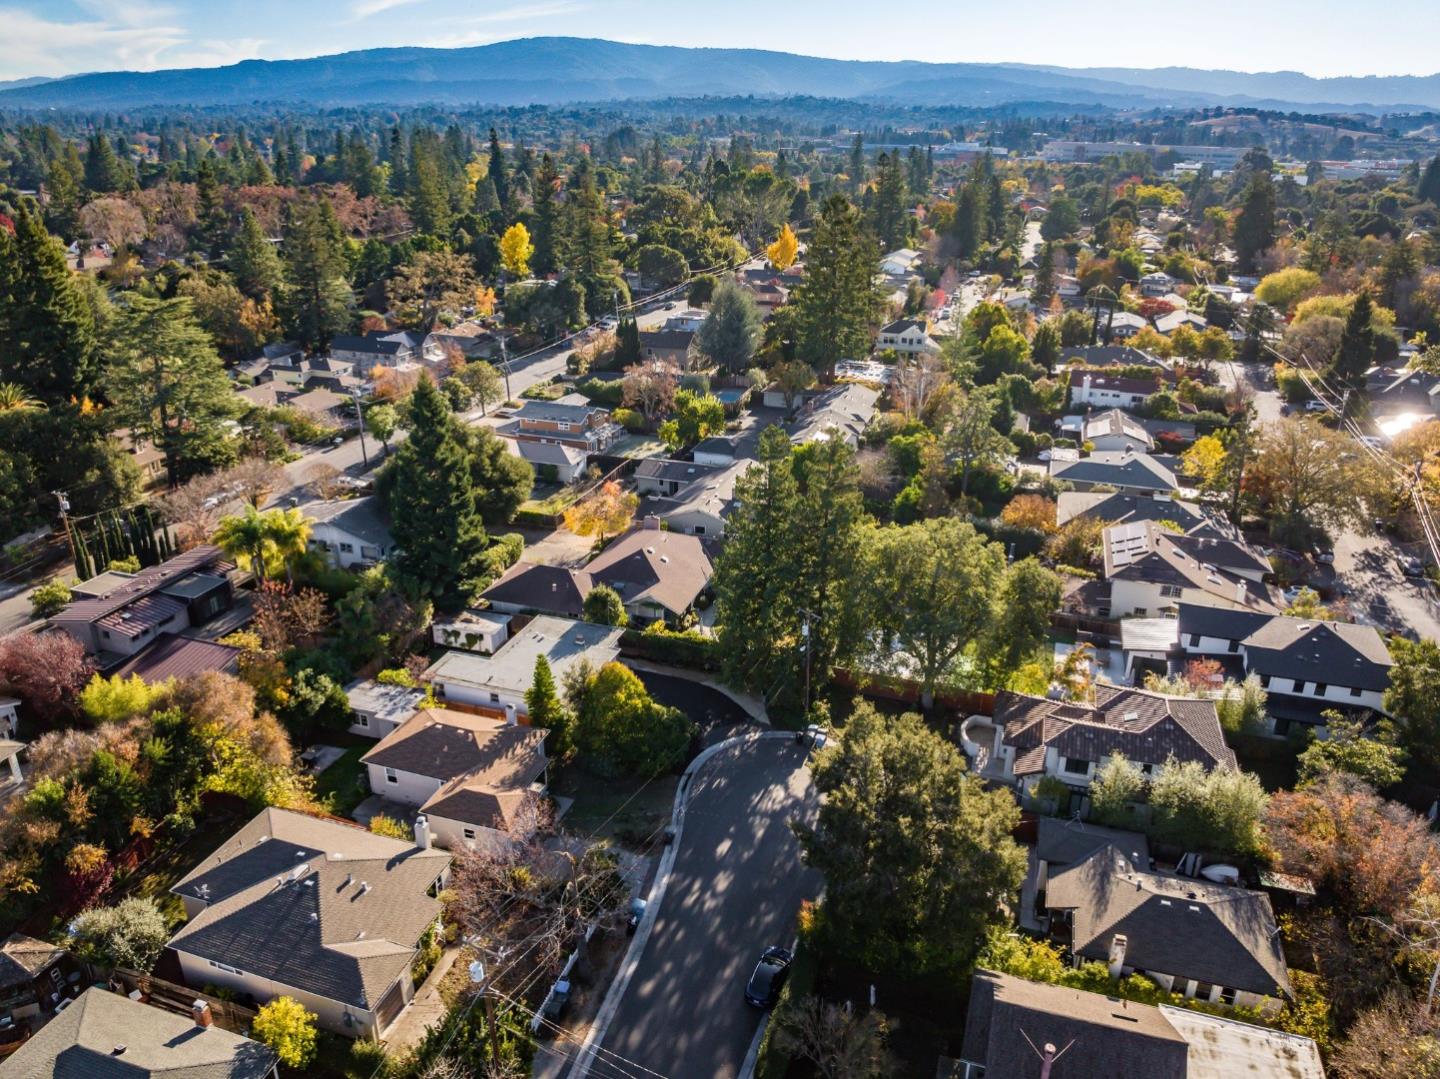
[(1319, 37)]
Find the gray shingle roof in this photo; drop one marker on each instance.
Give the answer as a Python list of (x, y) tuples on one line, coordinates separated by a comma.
[(326, 932), (363, 518), (650, 565), (1116, 508), (1143, 551), (1308, 650), (22, 957), (1114, 421), (83, 1042), (1172, 925), (554, 410), (552, 589), (1135, 471)]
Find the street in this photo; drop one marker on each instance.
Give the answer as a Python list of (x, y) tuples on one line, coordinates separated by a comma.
[(736, 886)]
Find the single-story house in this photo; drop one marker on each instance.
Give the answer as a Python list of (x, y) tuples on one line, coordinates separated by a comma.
[(666, 346), (1114, 431), (312, 908), (658, 574), (497, 684), (665, 476), (1121, 325), (1117, 508), (377, 708), (716, 451), (104, 1035), (848, 409), (473, 778), (174, 656), (555, 462), (1168, 324), (1110, 356), (1157, 283), (324, 405), (473, 631), (1124, 470), (701, 508), (350, 532)]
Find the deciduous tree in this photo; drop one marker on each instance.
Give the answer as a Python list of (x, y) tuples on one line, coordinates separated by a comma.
[(288, 1028), (607, 512)]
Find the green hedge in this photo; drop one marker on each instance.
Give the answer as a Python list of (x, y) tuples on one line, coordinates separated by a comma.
[(677, 649)]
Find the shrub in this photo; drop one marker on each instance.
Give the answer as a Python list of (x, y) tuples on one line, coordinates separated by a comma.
[(389, 826), (131, 934), (287, 1027), (629, 419), (109, 700)]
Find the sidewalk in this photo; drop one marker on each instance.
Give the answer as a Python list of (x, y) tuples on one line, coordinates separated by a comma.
[(425, 1010)]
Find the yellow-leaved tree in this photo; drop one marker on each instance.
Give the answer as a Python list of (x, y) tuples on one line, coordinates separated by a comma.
[(607, 512), (783, 251), (516, 250)]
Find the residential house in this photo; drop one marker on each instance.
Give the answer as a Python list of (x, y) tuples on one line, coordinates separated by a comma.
[(143, 453), (1030, 737), (35, 976), (126, 612), (271, 394), (473, 631), (1117, 508), (1307, 665), (1110, 391), (471, 339), (1210, 942), (1157, 283), (312, 908), (1121, 325), (1168, 324), (324, 406), (1123, 470), (664, 476), (901, 264), (381, 348), (1151, 570), (769, 296), (1114, 431), (497, 684), (350, 532), (104, 1035), (553, 462), (701, 508), (847, 409), (9, 716), (907, 336), (377, 708), (687, 321), (473, 778), (717, 450), (530, 588), (174, 656), (1060, 843), (666, 346), (585, 427), (1017, 1029), (1111, 356)]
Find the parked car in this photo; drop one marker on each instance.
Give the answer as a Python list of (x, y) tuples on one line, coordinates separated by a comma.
[(1324, 557), (765, 983), (1411, 566), (1316, 406), (609, 322)]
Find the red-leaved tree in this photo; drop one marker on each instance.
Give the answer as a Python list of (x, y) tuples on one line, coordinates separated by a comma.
[(46, 671)]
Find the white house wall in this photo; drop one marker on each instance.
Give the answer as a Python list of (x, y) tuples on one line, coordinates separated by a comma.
[(408, 788)]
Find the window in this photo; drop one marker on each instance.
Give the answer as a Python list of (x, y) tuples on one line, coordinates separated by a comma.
[(1320, 688), (1075, 766), (1265, 681), (347, 548), (390, 776), (1203, 990), (1234, 646), (1356, 691), (562, 426), (1171, 590), (1194, 640), (1299, 687), (105, 633), (228, 970), (494, 698), (469, 833), (1141, 612), (1227, 995), (699, 530), (361, 719)]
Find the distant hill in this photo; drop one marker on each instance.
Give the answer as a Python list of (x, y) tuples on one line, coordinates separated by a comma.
[(554, 70), (19, 84)]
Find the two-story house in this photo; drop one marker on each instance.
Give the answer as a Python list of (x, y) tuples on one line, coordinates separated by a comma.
[(474, 779), (1115, 431), (907, 336), (1151, 571), (585, 427), (1096, 390)]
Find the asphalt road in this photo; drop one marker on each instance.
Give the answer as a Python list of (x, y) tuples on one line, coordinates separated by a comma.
[(736, 886)]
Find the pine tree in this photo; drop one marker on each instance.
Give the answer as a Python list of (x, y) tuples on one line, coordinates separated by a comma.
[(968, 226), (104, 171), (546, 188), (212, 224), (1356, 352), (546, 712), (857, 162), (317, 295), (497, 172), (888, 215), (253, 261), (429, 199), (436, 526), (1429, 187), (838, 301), (730, 333), (1044, 287), (47, 331), (1255, 224)]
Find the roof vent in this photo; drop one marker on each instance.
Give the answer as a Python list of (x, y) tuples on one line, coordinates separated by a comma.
[(314, 917), (1194, 908), (364, 886), (118, 1051)]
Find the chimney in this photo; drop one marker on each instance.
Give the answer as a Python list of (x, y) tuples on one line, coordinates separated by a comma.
[(422, 832), (651, 523), (512, 715), (1117, 954), (1047, 1059), (200, 1010)]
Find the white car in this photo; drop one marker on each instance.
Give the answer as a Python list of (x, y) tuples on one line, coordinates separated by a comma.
[(1373, 441), (1316, 406), (609, 322)]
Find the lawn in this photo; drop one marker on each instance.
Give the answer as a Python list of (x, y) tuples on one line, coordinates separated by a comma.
[(558, 501), (629, 811), (345, 781)]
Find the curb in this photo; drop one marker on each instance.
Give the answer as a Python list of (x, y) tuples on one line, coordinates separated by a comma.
[(598, 1029)]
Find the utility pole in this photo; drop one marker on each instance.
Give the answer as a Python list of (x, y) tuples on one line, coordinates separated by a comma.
[(63, 498), (505, 365), (478, 977), (360, 422), (808, 648)]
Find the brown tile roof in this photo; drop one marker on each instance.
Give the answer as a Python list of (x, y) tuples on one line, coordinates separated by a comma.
[(179, 657), (552, 589), (1147, 728), (143, 583)]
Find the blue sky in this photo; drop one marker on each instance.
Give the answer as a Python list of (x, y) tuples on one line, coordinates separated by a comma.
[(1320, 37)]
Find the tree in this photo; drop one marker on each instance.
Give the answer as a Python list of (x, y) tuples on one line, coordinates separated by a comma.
[(1397, 1038), (970, 437), (783, 251), (516, 251), (435, 523), (286, 1027), (500, 479), (50, 598), (621, 730), (1413, 696), (731, 331), (916, 853), (837, 303), (606, 512), (317, 296), (381, 421), (110, 700), (496, 172), (1117, 786), (130, 934), (1205, 462), (1061, 219), (651, 388), (931, 585), (887, 208), (1020, 625), (1348, 748), (1356, 354), (380, 824), (430, 283), (253, 260), (265, 542), (1285, 288), (546, 712), (604, 607), (1255, 224), (116, 222), (694, 416), (47, 331), (660, 265), (842, 1042), (1304, 475), (1240, 707), (1217, 809), (485, 384), (1035, 512), (47, 671)]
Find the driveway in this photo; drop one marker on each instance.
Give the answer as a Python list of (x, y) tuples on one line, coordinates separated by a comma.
[(719, 717), (734, 890)]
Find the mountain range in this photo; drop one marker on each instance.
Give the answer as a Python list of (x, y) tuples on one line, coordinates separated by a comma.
[(558, 70)]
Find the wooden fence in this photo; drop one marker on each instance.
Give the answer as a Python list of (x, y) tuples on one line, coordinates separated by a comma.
[(908, 691), (180, 999)]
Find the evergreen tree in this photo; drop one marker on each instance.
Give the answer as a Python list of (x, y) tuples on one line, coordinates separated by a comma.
[(253, 261), (916, 176), (317, 295), (105, 173), (47, 330), (429, 199), (1045, 345), (1252, 350), (857, 162), (838, 302), (212, 227), (546, 712), (437, 529), (968, 226), (627, 343), (731, 331), (1044, 288), (604, 607), (1428, 189), (1356, 352), (546, 188), (497, 172), (890, 223), (1255, 224), (588, 246)]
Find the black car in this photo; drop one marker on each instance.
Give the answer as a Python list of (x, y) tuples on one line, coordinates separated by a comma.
[(764, 986)]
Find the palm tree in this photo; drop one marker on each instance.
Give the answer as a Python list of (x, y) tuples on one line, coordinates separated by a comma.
[(265, 540), (14, 398)]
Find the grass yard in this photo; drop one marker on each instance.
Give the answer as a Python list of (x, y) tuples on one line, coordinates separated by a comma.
[(557, 501), (344, 782), (628, 811)]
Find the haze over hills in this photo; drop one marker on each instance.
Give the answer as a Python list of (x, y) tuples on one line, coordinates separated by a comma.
[(556, 70)]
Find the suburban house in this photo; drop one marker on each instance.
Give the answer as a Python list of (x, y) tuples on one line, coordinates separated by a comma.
[(553, 462), (907, 336), (1124, 470), (1115, 431), (663, 476), (104, 1035), (472, 340), (1151, 570), (120, 614), (701, 508), (143, 453), (497, 684), (585, 427), (1306, 665), (848, 408), (1168, 324), (35, 976), (1018, 1029), (474, 779), (1109, 391), (473, 631), (377, 708), (666, 346), (1121, 325), (1206, 941), (315, 909), (9, 715), (174, 656), (1029, 737), (1061, 843), (323, 405), (1117, 508), (1111, 356), (1157, 283), (379, 349), (768, 296), (658, 574), (350, 532), (717, 450)]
